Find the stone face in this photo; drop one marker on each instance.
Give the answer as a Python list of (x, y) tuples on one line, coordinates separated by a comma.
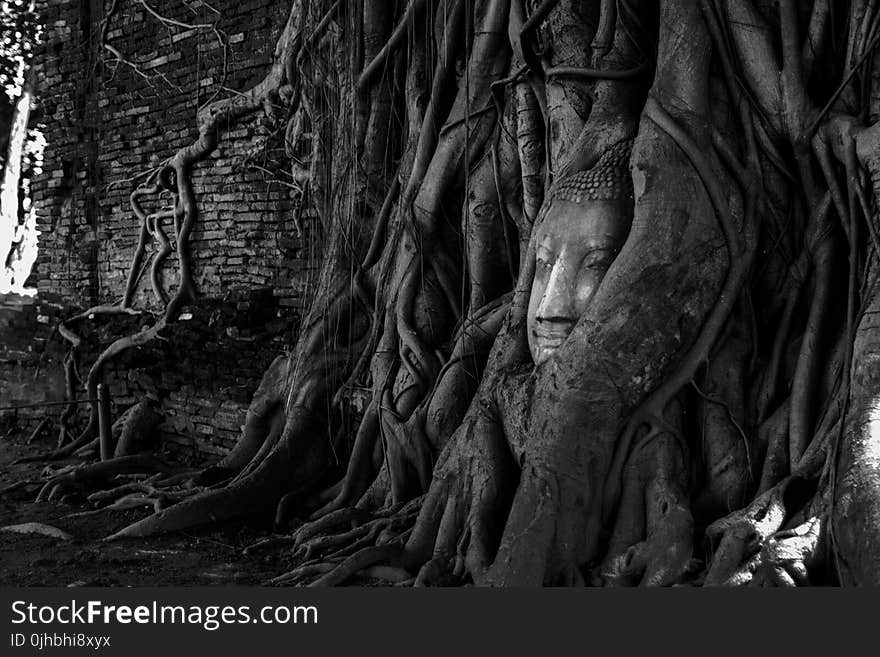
[(103, 131)]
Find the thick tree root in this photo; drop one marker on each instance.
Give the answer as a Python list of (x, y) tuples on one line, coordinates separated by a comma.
[(138, 432), (288, 467), (317, 552), (736, 541), (652, 544), (523, 470), (788, 556)]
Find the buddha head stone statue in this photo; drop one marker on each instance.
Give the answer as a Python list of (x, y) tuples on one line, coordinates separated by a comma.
[(583, 225)]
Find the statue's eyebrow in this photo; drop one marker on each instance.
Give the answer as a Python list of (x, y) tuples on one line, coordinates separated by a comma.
[(595, 245), (603, 247)]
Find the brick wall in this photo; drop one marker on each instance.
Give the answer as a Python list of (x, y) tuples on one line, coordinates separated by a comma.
[(30, 355), (106, 123)]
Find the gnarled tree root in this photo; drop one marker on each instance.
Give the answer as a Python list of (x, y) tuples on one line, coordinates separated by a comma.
[(736, 541), (95, 473), (788, 556), (289, 466)]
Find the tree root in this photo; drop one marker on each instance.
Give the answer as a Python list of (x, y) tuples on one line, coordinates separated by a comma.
[(174, 176), (788, 556), (153, 498), (24, 483), (736, 540), (652, 543), (520, 479), (460, 519), (332, 520), (269, 543), (740, 248), (104, 496), (435, 572), (95, 473), (306, 571), (291, 466), (65, 329), (157, 489), (377, 531), (310, 543), (357, 562), (263, 413)]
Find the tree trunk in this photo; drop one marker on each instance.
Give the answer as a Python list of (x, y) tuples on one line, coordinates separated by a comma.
[(607, 272)]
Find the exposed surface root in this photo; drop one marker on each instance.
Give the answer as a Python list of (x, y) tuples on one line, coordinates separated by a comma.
[(357, 562), (652, 544), (788, 556), (737, 541), (469, 463), (90, 475)]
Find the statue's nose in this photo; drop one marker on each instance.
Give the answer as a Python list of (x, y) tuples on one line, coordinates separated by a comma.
[(558, 300)]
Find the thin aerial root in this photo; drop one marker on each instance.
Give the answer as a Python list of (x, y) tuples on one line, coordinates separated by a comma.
[(404, 25)]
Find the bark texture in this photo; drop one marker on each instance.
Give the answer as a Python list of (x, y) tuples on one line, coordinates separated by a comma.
[(707, 418)]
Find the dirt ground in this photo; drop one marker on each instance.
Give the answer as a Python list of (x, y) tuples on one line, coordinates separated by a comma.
[(211, 557)]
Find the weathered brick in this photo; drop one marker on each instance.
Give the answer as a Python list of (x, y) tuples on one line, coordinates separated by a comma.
[(123, 127)]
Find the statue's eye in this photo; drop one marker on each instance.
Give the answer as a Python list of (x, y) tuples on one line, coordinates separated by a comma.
[(599, 260), (601, 264)]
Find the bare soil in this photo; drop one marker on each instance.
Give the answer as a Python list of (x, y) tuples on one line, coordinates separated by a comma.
[(211, 557)]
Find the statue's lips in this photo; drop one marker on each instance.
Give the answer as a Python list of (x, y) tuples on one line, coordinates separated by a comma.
[(553, 335)]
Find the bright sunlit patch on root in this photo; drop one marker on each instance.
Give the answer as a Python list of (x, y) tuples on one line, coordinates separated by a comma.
[(871, 447)]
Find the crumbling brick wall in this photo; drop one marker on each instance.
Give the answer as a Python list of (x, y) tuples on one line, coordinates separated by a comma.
[(108, 124)]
